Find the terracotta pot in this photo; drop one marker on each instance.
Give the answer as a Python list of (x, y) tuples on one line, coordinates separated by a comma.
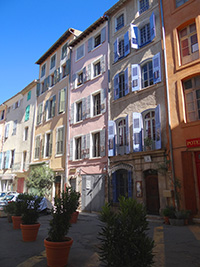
[(166, 218), (74, 217), (57, 252), (29, 231), (17, 220)]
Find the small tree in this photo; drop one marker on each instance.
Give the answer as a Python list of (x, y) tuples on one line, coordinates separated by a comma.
[(124, 240), (40, 180)]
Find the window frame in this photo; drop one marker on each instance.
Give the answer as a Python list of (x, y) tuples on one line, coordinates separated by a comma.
[(184, 1), (122, 23), (54, 62), (78, 147), (82, 54), (48, 144), (149, 70), (96, 144), (43, 70), (79, 111), (144, 7), (37, 147), (64, 53), (14, 127), (39, 114), (96, 106), (60, 143)]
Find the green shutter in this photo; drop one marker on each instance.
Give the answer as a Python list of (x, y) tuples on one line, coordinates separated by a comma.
[(27, 113), (29, 96)]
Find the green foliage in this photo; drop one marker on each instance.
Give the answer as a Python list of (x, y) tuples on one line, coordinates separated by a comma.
[(10, 208), (15, 207), (169, 211), (30, 205), (124, 241), (64, 207), (40, 180)]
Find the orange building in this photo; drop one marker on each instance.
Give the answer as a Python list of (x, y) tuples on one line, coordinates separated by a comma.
[(181, 21)]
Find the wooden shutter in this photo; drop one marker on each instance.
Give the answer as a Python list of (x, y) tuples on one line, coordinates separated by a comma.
[(152, 26), (137, 131), (103, 100), (84, 75), (88, 107), (83, 146), (42, 152), (72, 113), (50, 144), (127, 136), (156, 68), (116, 86), (84, 108), (103, 63), (114, 187), (89, 72), (126, 44), (111, 138), (45, 110), (87, 155), (158, 127), (102, 143), (53, 105), (135, 77), (71, 149), (103, 35), (129, 184), (134, 36), (90, 44), (126, 81), (38, 89), (116, 52), (62, 97), (68, 66)]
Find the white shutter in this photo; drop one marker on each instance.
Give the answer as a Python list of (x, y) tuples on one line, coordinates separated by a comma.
[(135, 77), (137, 131), (111, 138), (134, 37), (156, 68)]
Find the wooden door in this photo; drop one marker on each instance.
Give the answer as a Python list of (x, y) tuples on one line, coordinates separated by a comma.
[(20, 185), (152, 194)]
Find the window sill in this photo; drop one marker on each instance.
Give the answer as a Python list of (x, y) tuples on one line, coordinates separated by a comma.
[(190, 124), (187, 65), (177, 9), (58, 155)]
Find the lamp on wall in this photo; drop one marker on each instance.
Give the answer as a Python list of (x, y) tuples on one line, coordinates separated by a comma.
[(79, 171), (105, 168)]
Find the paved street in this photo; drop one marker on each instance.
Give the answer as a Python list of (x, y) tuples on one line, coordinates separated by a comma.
[(176, 246)]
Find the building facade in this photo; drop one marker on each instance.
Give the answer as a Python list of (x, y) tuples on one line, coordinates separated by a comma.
[(15, 155), (137, 115), (88, 115), (51, 121), (182, 36)]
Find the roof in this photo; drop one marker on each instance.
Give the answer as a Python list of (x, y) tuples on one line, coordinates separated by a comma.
[(115, 7), (61, 40), (90, 29)]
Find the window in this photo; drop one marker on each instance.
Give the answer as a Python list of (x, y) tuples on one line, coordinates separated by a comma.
[(62, 99), (188, 43), (43, 69), (27, 113), (48, 144), (53, 61), (122, 132), (97, 40), (37, 147), (145, 36), (6, 131), (119, 22), (122, 184), (16, 104), (96, 145), (60, 141), (64, 51), (26, 134), (78, 148), (29, 96), (80, 78), (12, 158), (2, 114), (80, 52), (97, 104), (79, 111), (149, 130), (192, 98), (14, 127), (180, 2), (6, 159), (39, 113), (51, 108), (121, 84), (143, 5), (121, 47), (97, 68), (147, 74), (24, 167)]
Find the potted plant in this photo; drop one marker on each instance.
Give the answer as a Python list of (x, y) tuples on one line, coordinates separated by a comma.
[(168, 213), (30, 214), (75, 214), (57, 245), (9, 209), (148, 143), (14, 210)]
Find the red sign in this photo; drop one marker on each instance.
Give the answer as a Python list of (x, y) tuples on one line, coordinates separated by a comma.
[(193, 142)]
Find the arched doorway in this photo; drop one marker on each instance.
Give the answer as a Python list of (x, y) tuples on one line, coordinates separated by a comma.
[(152, 192)]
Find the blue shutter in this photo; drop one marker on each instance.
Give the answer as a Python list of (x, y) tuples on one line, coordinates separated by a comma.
[(158, 127), (90, 44), (129, 184), (103, 35), (135, 77), (116, 86), (114, 187), (156, 68), (116, 53), (134, 37), (126, 81), (1, 157), (137, 131), (103, 100), (152, 27), (126, 44), (111, 138), (127, 137)]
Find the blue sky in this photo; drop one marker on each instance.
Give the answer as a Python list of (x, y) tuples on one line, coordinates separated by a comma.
[(30, 27)]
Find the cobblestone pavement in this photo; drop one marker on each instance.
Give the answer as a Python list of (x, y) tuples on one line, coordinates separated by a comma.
[(175, 246)]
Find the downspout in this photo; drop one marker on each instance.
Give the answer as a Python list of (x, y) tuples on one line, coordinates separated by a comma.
[(168, 105)]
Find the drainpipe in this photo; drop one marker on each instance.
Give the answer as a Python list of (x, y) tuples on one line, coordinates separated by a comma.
[(168, 104)]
